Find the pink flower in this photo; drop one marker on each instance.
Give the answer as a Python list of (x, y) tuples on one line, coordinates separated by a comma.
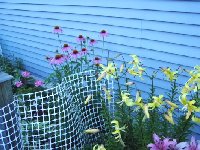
[(75, 54), (57, 60), (84, 51), (39, 83), (103, 33), (57, 29), (97, 61), (18, 83), (164, 144), (25, 74), (193, 145), (93, 42), (66, 47), (80, 39)]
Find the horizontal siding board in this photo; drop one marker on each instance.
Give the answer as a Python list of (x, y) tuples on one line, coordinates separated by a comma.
[(187, 6), (145, 53), (156, 45), (120, 22), (137, 33), (177, 17)]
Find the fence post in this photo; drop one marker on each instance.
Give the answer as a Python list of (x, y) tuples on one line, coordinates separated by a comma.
[(6, 94), (6, 97)]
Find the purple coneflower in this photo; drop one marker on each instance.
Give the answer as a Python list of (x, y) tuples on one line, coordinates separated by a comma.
[(66, 47), (97, 61), (80, 39), (57, 29), (25, 74), (84, 51), (39, 83), (18, 83), (75, 54), (103, 33), (93, 42), (57, 60)]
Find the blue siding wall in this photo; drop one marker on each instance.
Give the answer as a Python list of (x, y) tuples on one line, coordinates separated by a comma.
[(162, 33)]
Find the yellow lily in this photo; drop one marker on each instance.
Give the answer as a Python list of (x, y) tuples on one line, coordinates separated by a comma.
[(169, 117), (195, 119), (126, 99), (121, 68), (99, 147), (108, 71), (169, 114), (88, 99), (107, 92), (92, 131), (117, 131), (157, 102), (171, 75)]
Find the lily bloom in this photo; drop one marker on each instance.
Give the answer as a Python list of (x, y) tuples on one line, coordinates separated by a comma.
[(159, 144), (18, 83), (93, 42), (108, 71), (92, 131), (103, 33), (193, 145), (171, 75), (39, 83), (99, 147), (66, 47), (80, 39), (88, 99), (117, 131), (25, 74), (57, 29)]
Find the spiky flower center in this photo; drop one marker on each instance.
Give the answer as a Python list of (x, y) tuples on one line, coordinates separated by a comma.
[(96, 58), (56, 27), (58, 56), (80, 37), (84, 49), (75, 52), (103, 31), (66, 45)]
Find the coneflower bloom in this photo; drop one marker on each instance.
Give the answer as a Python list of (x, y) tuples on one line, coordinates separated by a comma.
[(84, 51), (57, 60), (80, 39), (39, 83), (57, 29), (103, 33), (75, 54), (93, 42), (66, 47), (18, 83), (25, 74), (97, 61)]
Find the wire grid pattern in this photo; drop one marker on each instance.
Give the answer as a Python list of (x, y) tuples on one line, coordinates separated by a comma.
[(56, 118), (10, 131)]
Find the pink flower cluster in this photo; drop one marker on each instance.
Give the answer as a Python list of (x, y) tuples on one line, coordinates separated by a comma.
[(18, 84), (25, 74), (171, 144), (39, 83)]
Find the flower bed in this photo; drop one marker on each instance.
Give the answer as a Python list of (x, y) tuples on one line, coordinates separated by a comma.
[(134, 119)]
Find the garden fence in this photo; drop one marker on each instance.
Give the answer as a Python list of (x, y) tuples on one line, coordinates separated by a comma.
[(57, 118)]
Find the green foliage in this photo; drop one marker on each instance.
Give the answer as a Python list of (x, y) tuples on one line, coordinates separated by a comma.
[(11, 65)]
